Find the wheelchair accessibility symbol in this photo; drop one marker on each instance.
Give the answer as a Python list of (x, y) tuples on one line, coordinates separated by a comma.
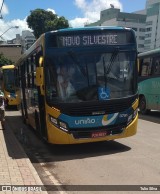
[(103, 93)]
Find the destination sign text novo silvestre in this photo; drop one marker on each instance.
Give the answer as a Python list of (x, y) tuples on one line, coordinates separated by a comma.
[(89, 40)]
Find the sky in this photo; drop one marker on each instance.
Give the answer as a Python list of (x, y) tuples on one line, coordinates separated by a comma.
[(77, 12)]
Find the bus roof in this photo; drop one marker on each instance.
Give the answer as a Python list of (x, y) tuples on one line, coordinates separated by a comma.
[(8, 67), (149, 53), (39, 41), (92, 28)]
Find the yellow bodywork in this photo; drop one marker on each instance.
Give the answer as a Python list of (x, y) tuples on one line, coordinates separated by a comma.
[(8, 67), (12, 100), (57, 136)]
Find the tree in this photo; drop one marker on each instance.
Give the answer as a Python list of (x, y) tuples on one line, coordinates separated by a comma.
[(4, 60), (41, 21)]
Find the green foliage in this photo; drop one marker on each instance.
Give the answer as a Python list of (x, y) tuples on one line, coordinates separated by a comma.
[(41, 21), (4, 60)]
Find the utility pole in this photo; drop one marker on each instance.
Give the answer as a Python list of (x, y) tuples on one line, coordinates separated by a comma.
[(8, 29), (1, 17)]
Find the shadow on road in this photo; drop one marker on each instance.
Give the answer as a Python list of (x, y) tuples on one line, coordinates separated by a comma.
[(152, 116), (78, 151), (55, 153), (38, 151), (11, 108), (13, 146)]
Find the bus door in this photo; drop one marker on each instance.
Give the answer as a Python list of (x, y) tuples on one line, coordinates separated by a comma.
[(31, 92), (147, 83), (28, 91), (156, 82), (41, 101)]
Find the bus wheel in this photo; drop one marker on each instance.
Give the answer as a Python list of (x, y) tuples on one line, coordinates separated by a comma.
[(142, 105)]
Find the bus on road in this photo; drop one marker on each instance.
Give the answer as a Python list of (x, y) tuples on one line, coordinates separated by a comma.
[(10, 86), (149, 81), (79, 85)]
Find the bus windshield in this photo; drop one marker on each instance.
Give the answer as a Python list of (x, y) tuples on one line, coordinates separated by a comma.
[(89, 76), (9, 80)]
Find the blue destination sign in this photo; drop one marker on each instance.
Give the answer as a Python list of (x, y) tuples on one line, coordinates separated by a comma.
[(92, 40)]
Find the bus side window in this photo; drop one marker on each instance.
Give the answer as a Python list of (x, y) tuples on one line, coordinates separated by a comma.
[(156, 64), (146, 67)]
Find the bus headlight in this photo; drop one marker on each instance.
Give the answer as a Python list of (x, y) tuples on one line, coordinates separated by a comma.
[(59, 124), (12, 96), (63, 126), (130, 118), (53, 120), (135, 113)]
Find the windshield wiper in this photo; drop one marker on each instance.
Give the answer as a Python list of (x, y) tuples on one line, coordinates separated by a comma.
[(111, 62)]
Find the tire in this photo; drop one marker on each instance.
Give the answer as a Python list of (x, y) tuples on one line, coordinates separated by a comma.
[(142, 106)]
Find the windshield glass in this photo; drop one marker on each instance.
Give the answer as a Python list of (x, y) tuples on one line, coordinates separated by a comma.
[(76, 77), (9, 80)]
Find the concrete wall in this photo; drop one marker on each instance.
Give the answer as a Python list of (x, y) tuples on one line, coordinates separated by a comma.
[(12, 52)]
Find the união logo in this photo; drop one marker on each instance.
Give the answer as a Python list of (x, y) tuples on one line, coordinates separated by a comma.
[(85, 121)]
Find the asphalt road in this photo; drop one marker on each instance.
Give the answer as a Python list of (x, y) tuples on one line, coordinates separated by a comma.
[(130, 161)]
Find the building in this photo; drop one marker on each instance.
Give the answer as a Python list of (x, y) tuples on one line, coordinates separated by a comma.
[(11, 51), (152, 32), (27, 40), (136, 21)]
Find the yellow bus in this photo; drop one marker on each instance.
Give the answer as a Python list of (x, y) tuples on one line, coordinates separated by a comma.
[(79, 85), (10, 86)]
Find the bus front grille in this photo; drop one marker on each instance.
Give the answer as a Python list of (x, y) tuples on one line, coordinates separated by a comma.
[(95, 108)]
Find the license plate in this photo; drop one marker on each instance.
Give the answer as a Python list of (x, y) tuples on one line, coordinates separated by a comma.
[(98, 134)]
